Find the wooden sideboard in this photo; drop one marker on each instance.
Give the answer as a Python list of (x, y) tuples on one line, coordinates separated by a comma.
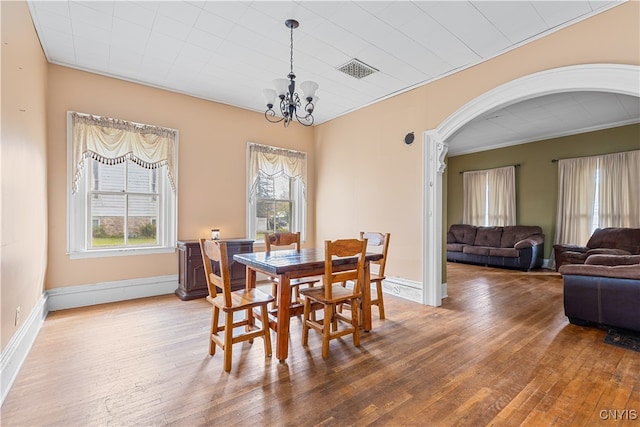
[(191, 280)]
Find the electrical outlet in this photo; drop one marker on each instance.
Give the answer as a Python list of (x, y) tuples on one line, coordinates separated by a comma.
[(17, 315)]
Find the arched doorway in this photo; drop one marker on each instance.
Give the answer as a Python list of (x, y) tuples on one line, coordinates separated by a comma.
[(614, 78)]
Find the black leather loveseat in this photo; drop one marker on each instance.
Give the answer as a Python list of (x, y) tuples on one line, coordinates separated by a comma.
[(605, 290), (516, 246)]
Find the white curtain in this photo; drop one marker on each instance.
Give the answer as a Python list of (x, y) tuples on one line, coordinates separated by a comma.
[(112, 141), (273, 162), (490, 197), (475, 192), (619, 198), (597, 191), (576, 197)]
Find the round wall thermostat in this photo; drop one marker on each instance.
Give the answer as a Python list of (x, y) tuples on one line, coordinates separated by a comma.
[(408, 138)]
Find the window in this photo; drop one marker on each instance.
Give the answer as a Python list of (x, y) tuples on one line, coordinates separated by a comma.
[(597, 192), (490, 197), (122, 197), (276, 191)]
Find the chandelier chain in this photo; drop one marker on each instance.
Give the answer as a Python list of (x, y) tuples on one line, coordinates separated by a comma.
[(291, 29)]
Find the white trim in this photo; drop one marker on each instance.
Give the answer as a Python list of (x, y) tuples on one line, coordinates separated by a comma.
[(615, 78), (408, 289), (105, 292), (543, 137), (16, 351), (104, 253)]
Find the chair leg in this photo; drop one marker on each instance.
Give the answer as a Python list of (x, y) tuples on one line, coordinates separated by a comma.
[(250, 324), (380, 299), (326, 330), (354, 323), (215, 316), (274, 292), (266, 329), (228, 340), (305, 319)]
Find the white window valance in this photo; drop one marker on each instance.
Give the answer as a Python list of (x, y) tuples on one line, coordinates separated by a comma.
[(273, 162), (113, 141)]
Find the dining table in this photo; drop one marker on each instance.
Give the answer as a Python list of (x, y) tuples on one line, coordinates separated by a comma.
[(293, 264)]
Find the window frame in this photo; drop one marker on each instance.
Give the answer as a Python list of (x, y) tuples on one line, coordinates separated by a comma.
[(80, 224), (297, 199)]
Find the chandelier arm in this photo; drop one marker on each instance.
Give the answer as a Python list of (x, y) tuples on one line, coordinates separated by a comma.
[(270, 115)]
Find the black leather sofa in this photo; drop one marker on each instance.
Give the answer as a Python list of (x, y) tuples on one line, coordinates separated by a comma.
[(517, 246), (605, 290)]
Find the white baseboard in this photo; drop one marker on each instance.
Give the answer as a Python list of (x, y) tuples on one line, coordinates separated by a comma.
[(100, 293), (407, 289), (16, 351)]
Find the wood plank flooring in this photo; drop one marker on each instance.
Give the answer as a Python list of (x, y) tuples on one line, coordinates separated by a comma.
[(498, 352)]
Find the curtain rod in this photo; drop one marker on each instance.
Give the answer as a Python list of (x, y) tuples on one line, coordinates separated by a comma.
[(594, 155), (515, 166)]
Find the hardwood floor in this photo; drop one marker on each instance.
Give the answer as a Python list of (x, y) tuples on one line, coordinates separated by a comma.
[(498, 352)]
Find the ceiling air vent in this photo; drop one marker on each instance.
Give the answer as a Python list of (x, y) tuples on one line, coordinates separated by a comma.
[(356, 68)]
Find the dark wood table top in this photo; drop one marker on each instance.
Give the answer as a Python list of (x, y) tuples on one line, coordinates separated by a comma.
[(291, 261)]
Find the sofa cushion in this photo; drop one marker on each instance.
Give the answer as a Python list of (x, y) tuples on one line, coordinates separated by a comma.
[(463, 233), (488, 236), (476, 250), (607, 251), (455, 247), (613, 259), (504, 252), (512, 234), (627, 239)]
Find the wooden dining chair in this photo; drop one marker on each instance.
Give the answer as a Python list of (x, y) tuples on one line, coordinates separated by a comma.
[(332, 294), (288, 239), (378, 242), (230, 303)]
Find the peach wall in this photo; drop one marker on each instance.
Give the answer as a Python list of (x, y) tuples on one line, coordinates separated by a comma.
[(391, 200), (211, 167), (23, 231)]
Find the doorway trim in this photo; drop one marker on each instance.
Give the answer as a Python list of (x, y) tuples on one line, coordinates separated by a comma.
[(615, 78)]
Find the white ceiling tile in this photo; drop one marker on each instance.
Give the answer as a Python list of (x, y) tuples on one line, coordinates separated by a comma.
[(470, 26), (55, 22), (213, 24), (557, 12), (134, 13), (162, 46), (171, 27), (104, 7), (81, 12), (180, 11), (517, 20), (126, 34)]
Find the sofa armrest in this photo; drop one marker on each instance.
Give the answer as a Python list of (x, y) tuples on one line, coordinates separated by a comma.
[(534, 239), (607, 251), (613, 271), (451, 238)]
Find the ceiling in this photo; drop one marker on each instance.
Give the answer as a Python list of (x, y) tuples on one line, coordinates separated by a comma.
[(229, 51)]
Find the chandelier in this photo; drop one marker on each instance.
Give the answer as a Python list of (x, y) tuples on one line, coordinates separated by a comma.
[(285, 90)]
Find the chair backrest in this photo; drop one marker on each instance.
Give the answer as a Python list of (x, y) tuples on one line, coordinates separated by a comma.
[(380, 243), (281, 239), (337, 273), (216, 250)]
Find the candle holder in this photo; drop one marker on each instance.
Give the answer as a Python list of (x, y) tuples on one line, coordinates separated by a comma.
[(215, 234)]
